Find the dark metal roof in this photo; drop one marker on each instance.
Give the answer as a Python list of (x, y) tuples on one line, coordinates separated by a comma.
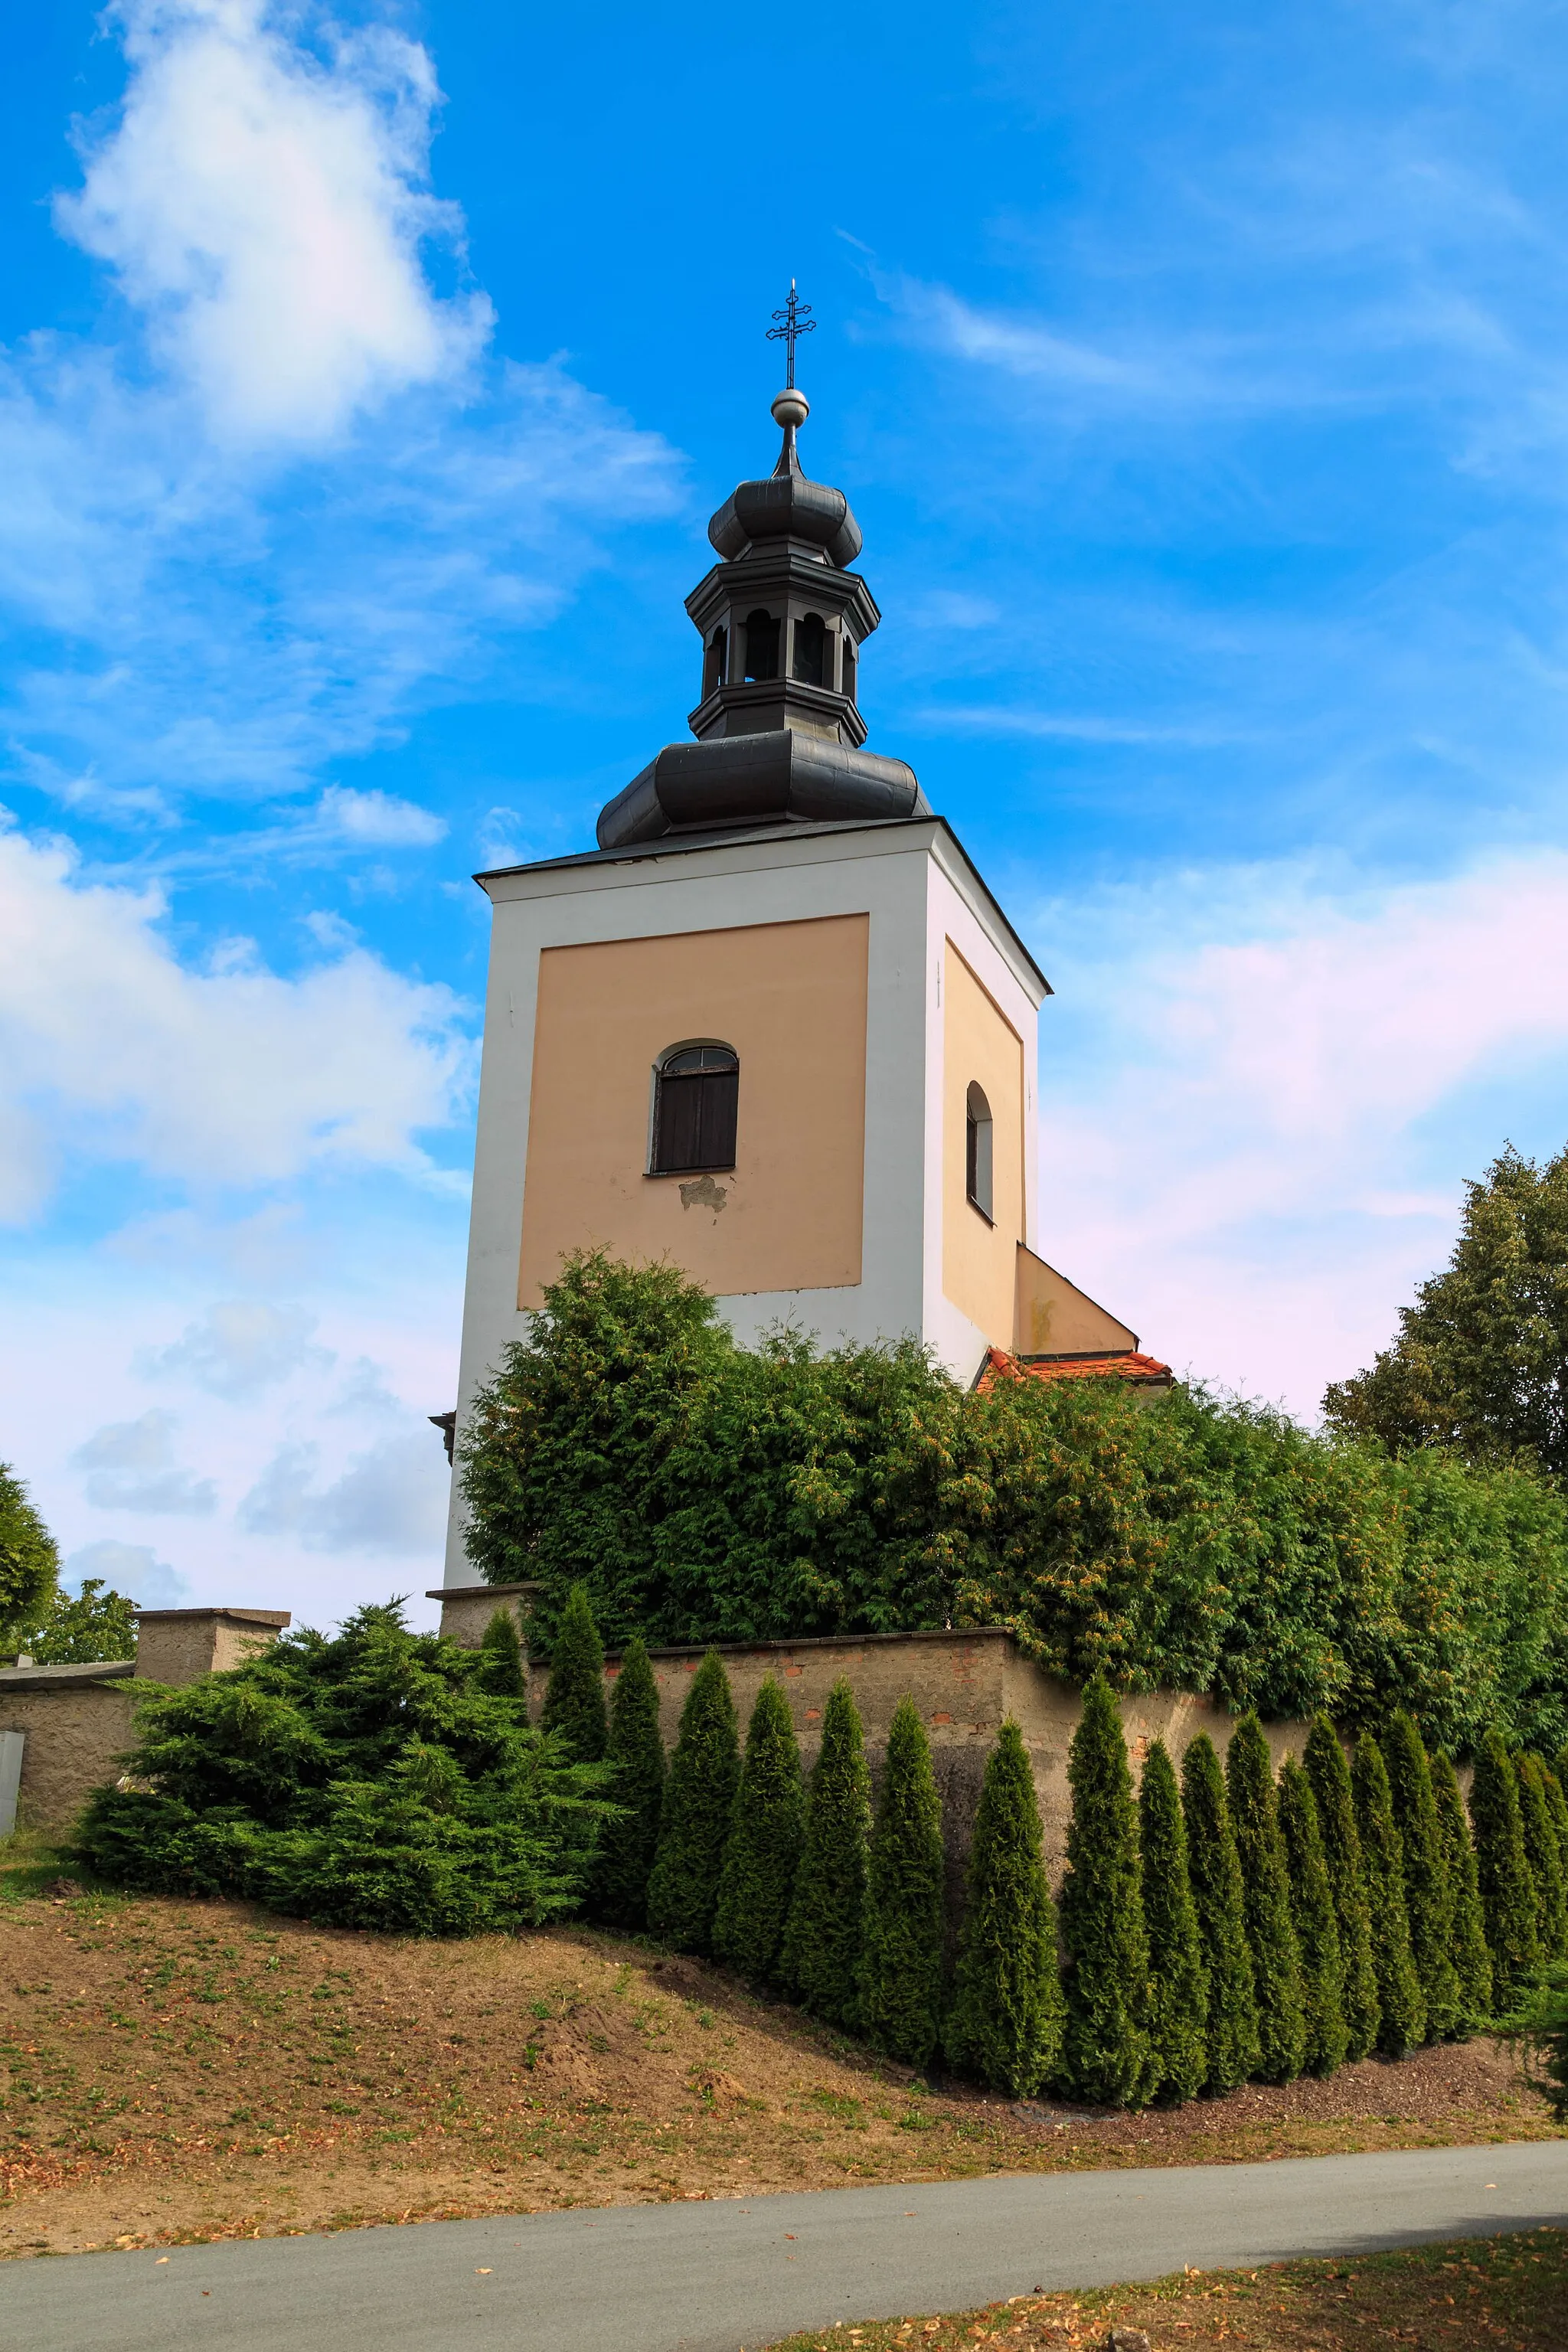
[(102, 1670)]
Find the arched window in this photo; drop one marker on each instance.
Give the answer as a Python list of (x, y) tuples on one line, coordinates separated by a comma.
[(761, 645), (713, 662), (810, 638), (977, 1151), (849, 667), (695, 1093)]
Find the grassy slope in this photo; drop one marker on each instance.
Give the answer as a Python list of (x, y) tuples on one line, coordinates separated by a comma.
[(179, 2070), (1510, 2292)]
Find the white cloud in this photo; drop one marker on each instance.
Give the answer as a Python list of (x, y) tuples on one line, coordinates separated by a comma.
[(240, 1346), (232, 1073), (131, 1466), (1252, 1146), (391, 1499), (265, 201), (133, 1570), (376, 819)]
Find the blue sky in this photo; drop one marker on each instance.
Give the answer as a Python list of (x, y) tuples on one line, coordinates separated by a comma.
[(1200, 386)]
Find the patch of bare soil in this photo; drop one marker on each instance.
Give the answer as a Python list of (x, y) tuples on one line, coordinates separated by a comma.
[(174, 2071)]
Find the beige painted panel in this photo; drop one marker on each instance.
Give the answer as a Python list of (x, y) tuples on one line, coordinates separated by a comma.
[(981, 1047), (1056, 1318), (790, 999)]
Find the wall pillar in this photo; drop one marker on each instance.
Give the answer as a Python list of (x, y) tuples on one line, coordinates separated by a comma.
[(467, 1609), (178, 1645)]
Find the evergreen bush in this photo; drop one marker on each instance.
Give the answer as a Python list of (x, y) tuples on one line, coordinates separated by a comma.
[(1557, 1805), (1429, 1899), (694, 1818), (634, 1750), (1105, 2044), (1317, 1926), (1214, 1868), (762, 1851), (1545, 1855), (820, 1961), (902, 1935), (1007, 2020), (1325, 1766), (1402, 2012), (1178, 1996), (1266, 1904), (574, 1695), (501, 1657), (363, 1779), (1508, 1890), (1472, 1961)]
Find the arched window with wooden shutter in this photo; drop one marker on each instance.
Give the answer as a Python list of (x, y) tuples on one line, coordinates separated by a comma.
[(696, 1100)]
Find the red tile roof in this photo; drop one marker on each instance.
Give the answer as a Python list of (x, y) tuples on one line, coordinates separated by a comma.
[(1141, 1371)]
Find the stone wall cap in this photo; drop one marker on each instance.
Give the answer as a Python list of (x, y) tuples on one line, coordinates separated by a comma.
[(968, 1635), (477, 1592), (237, 1616), (99, 1669)]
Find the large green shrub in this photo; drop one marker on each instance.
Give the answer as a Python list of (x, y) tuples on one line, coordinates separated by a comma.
[(1266, 1904), (1007, 2019), (28, 1562), (366, 1778), (1178, 1995), (820, 1962), (1324, 1763), (762, 1851), (694, 1819), (76, 1629), (1544, 1853), (1402, 2011), (1428, 1898), (1213, 1869), (1508, 1890), (634, 1750), (1317, 1927), (1105, 2045), (703, 1491), (1472, 1961), (574, 1694), (902, 1927)]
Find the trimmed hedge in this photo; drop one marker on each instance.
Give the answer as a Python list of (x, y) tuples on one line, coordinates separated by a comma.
[(707, 1492)]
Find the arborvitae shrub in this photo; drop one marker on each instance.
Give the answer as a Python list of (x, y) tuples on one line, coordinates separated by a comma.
[(634, 1748), (1324, 1760), (1005, 2023), (1178, 1994), (1472, 1961), (1214, 1872), (901, 1942), (1317, 1927), (501, 1653), (694, 1820), (1266, 1904), (1508, 1891), (1544, 1854), (1429, 1902), (574, 1695), (762, 1852), (1105, 2049), (1557, 1805), (1402, 2012), (820, 1961)]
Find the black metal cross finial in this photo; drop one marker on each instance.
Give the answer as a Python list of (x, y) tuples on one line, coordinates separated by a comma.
[(797, 320)]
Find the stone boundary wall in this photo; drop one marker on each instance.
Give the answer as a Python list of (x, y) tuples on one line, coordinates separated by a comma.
[(78, 1721), (966, 1686)]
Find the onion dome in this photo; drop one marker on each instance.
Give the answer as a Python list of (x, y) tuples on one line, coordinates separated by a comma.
[(782, 620)]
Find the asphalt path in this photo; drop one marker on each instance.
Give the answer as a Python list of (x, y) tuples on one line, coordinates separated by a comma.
[(717, 2277)]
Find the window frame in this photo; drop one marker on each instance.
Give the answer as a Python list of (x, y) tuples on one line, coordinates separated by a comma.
[(659, 1078), (980, 1153)]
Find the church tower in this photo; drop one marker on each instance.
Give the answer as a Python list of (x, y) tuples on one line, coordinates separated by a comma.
[(773, 1029)]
